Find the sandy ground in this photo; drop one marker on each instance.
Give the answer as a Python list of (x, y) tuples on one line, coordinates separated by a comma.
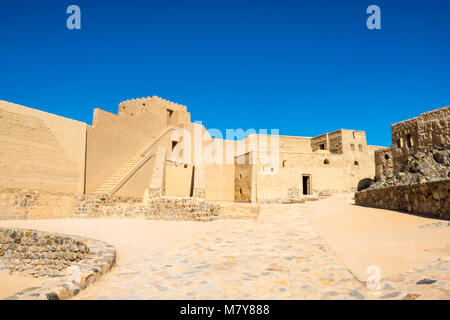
[(10, 284), (130, 238), (361, 237)]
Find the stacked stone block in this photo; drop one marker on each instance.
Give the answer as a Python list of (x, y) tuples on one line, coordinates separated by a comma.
[(49, 255)]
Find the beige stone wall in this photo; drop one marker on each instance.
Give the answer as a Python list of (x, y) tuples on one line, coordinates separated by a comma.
[(339, 175), (178, 180), (430, 198), (340, 161), (220, 182), (34, 205), (41, 151), (244, 181)]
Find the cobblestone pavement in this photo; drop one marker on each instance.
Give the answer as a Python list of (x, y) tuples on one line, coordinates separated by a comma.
[(277, 256)]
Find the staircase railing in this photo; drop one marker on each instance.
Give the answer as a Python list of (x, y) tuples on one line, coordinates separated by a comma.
[(155, 140)]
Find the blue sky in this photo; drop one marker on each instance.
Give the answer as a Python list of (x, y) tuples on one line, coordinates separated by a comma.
[(304, 67)]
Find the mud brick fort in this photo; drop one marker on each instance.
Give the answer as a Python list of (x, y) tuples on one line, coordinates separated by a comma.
[(125, 165), (149, 161)]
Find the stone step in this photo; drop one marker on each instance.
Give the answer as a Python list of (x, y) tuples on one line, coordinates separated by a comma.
[(238, 211)]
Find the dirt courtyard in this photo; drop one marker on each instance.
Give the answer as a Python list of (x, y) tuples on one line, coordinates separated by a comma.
[(317, 250)]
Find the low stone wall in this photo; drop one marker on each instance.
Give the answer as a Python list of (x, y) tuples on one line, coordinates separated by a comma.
[(25, 204), (168, 208), (95, 206), (69, 264), (157, 208), (431, 198)]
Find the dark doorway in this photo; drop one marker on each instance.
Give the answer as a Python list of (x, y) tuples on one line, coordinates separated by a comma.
[(306, 184)]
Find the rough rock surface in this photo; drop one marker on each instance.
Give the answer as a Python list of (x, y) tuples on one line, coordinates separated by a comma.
[(421, 167)]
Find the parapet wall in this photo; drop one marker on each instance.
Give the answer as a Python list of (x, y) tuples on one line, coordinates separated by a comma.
[(74, 262), (431, 199), (134, 106)]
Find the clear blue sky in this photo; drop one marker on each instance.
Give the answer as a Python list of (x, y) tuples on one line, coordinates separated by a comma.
[(305, 67)]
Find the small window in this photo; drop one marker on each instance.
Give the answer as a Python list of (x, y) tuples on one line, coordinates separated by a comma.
[(326, 162), (409, 141), (398, 143), (352, 147), (174, 144), (284, 163), (360, 148), (169, 113), (356, 163), (185, 166), (240, 191), (240, 176), (322, 146), (386, 157)]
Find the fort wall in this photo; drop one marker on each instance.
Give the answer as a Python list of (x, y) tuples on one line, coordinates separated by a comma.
[(40, 150), (121, 159)]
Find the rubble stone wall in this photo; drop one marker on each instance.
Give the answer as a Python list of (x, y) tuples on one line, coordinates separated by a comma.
[(68, 263), (431, 198)]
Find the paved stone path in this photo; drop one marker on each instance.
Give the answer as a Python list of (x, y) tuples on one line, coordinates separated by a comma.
[(277, 256)]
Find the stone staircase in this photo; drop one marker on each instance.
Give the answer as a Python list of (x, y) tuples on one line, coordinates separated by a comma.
[(229, 210), (108, 185), (126, 171)]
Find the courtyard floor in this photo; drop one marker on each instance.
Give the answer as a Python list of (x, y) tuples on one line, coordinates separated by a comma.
[(325, 249)]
